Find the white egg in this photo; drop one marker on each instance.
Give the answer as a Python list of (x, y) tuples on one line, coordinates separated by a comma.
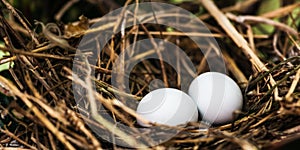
[(217, 97), (167, 106)]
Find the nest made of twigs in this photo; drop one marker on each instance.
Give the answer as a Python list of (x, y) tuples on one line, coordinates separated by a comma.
[(39, 111)]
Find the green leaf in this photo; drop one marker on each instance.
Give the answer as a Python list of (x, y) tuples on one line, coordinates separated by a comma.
[(179, 1), (266, 6), (7, 65), (294, 18), (170, 29)]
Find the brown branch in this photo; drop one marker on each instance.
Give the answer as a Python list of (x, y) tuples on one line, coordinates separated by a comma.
[(23, 22), (238, 39), (233, 34), (9, 85), (239, 6), (281, 11), (288, 96), (257, 19)]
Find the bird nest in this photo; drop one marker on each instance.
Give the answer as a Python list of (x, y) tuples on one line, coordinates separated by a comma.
[(68, 90)]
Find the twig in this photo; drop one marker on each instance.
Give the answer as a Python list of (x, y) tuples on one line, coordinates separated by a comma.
[(51, 140), (9, 85), (243, 143), (52, 70), (25, 60), (54, 39), (238, 39), (239, 6), (275, 40), (38, 76), (78, 123), (280, 81), (237, 73), (7, 132), (158, 48), (233, 33), (14, 12), (203, 63), (257, 19), (91, 96), (2, 61), (251, 37), (64, 9), (38, 55), (130, 111), (293, 86), (265, 74), (281, 11), (175, 33), (37, 142)]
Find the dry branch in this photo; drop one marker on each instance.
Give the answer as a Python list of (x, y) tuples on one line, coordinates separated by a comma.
[(238, 39)]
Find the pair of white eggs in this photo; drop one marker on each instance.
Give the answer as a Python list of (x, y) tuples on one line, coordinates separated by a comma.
[(215, 95)]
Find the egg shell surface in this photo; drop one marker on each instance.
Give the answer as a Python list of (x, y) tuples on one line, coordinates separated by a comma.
[(217, 97), (167, 106)]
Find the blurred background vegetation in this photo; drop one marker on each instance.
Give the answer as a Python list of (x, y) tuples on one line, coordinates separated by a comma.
[(45, 10)]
